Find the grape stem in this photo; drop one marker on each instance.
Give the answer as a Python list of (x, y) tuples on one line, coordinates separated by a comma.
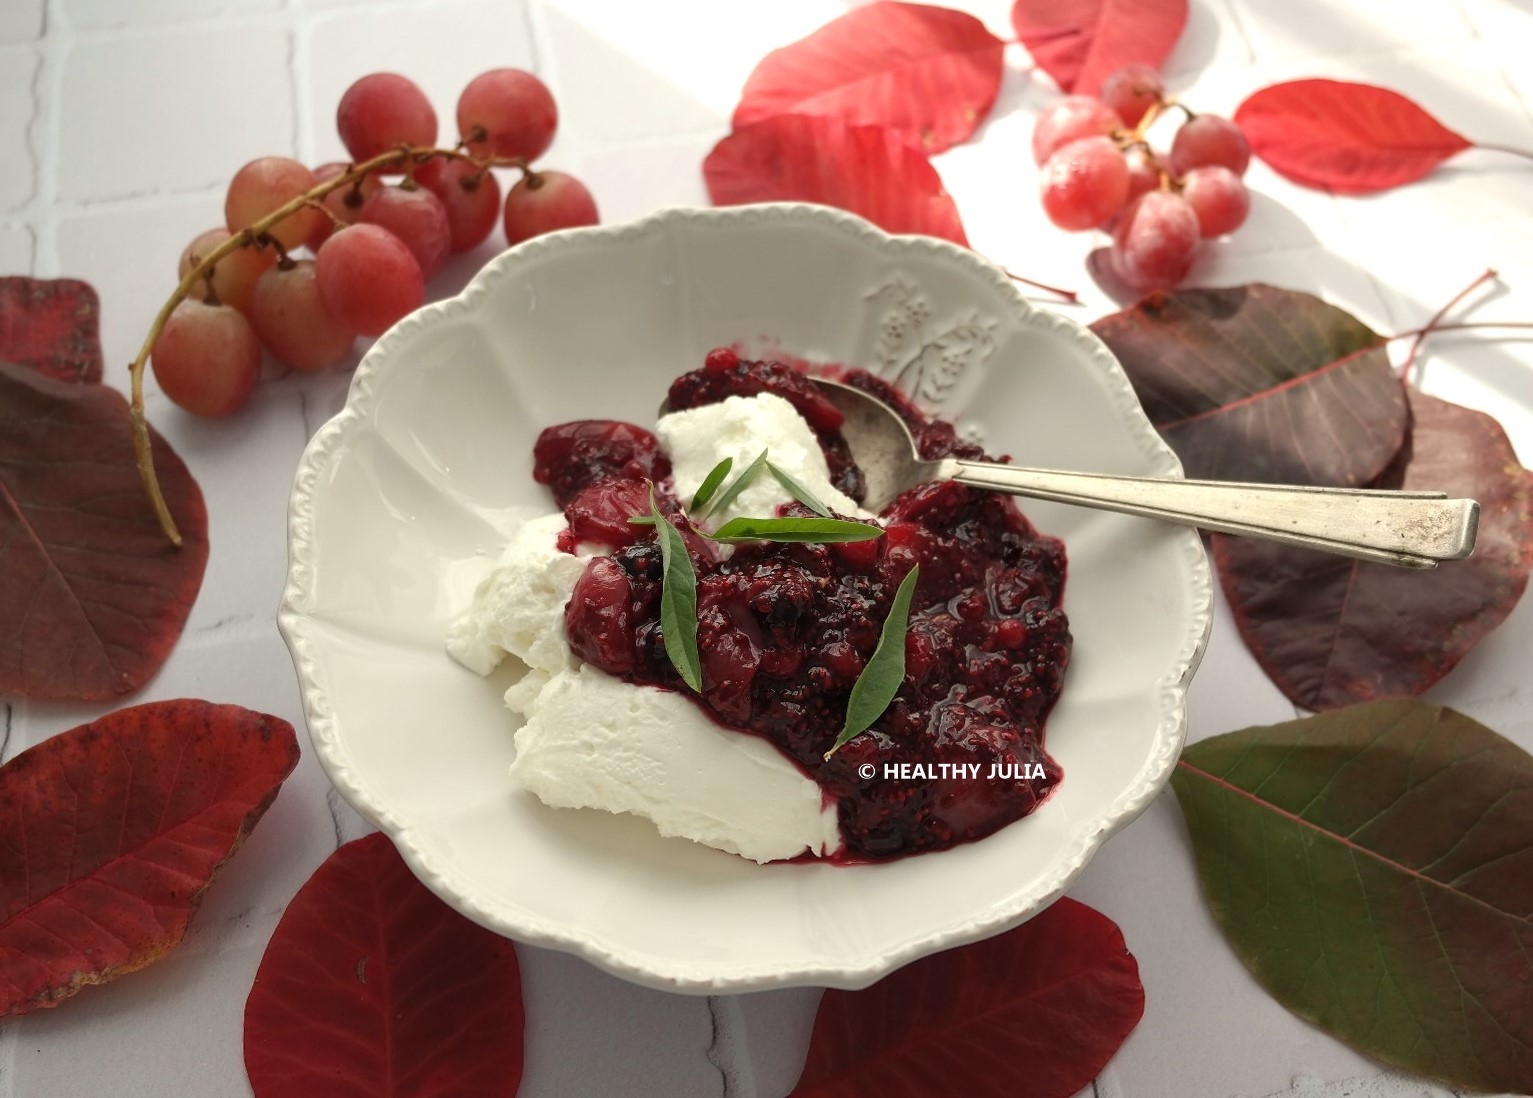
[(255, 235), (1137, 134), (1435, 324)]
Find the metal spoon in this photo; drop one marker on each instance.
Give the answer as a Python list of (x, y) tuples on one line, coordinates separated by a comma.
[(1409, 529)]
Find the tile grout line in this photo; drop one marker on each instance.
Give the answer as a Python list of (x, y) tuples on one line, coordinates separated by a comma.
[(1232, 11), (721, 1044), (1501, 70), (298, 66)]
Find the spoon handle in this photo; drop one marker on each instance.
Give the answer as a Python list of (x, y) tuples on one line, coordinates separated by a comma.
[(1410, 529)]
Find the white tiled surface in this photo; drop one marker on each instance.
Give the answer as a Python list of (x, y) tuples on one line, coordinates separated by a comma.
[(21, 21), (165, 110), (17, 95), (121, 119)]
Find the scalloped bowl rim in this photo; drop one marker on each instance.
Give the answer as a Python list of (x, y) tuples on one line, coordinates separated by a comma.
[(327, 444)]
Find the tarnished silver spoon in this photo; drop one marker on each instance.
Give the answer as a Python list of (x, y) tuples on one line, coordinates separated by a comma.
[(1409, 529)]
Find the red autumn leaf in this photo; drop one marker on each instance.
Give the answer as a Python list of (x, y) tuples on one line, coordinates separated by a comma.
[(372, 987), (1080, 43), (931, 74), (1330, 631), (111, 832), (1347, 138), (1258, 383), (92, 596), (53, 326), (868, 170), (1036, 1011)]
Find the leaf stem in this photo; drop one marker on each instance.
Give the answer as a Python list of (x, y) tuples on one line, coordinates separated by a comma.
[(1067, 295), (1509, 149), (1468, 326), (1489, 275), (254, 235)]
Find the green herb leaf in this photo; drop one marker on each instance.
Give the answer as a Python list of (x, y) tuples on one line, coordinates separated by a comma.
[(678, 599), (797, 490), (820, 530), (740, 484), (711, 484), (641, 520), (885, 670)]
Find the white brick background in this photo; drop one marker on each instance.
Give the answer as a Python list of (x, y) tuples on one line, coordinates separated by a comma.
[(120, 122)]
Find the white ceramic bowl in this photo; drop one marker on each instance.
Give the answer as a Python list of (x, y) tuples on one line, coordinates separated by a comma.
[(433, 452)]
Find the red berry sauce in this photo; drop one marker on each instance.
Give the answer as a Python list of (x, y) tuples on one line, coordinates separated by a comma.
[(784, 630)]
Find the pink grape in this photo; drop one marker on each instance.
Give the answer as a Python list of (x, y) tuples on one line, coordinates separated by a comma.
[(345, 203), (1155, 241), (382, 111), (1132, 91), (260, 187), (1209, 139), (417, 217), (207, 358), (292, 321), (1218, 197), (1084, 183), (234, 276), (470, 195), (545, 201), (367, 278), (514, 110), (1070, 119)]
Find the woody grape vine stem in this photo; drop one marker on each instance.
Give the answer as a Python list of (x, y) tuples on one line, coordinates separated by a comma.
[(254, 235)]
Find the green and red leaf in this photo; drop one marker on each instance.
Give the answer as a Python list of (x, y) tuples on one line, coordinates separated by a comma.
[(1373, 868)]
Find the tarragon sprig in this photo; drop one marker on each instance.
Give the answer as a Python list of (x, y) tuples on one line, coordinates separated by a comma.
[(678, 596), (881, 676)]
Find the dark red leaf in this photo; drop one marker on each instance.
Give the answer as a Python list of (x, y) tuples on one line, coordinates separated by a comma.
[(51, 325), (1080, 43), (1331, 631), (92, 596), (868, 170), (1036, 1011), (111, 832), (1343, 137), (372, 987), (929, 73), (1262, 384)]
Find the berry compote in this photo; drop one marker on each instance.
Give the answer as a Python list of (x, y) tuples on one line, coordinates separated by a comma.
[(784, 630)]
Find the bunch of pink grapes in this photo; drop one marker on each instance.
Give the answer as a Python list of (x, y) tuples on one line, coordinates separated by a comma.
[(1099, 172), (354, 261)]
